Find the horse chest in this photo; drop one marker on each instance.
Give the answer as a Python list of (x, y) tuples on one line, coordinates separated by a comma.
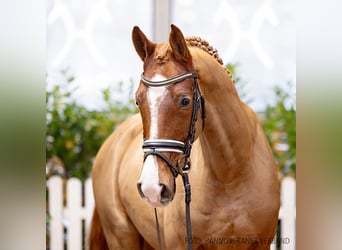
[(221, 213)]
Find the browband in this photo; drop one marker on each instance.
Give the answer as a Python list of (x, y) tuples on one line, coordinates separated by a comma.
[(169, 81)]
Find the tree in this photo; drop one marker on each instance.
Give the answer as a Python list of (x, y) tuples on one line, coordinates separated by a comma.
[(75, 134), (279, 124)]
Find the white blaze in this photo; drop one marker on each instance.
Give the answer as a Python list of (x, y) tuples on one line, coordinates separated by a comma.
[(154, 96), (150, 181), (149, 178)]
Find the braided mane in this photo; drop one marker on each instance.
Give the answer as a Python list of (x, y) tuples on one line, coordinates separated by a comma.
[(204, 45)]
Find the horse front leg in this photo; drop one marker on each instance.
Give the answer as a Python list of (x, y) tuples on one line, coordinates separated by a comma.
[(117, 231), (123, 236)]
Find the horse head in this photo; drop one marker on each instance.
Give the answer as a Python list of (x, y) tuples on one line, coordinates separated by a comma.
[(167, 97)]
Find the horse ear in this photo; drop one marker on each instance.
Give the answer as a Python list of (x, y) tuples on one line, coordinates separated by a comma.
[(178, 44), (142, 45)]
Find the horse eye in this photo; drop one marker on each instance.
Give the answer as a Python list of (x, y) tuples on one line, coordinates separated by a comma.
[(185, 102)]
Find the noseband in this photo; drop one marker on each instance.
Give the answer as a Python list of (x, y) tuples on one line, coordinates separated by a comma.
[(160, 146)]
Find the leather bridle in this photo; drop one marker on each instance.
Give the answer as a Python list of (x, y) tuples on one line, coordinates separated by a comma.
[(158, 147)]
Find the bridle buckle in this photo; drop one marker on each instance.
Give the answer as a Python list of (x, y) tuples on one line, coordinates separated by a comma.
[(183, 165)]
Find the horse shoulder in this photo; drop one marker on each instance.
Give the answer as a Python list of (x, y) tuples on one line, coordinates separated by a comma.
[(105, 176)]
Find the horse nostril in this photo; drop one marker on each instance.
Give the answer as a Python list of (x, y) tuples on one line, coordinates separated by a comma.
[(164, 191), (140, 191), (165, 194)]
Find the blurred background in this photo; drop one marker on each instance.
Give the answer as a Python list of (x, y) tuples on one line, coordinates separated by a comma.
[(93, 71)]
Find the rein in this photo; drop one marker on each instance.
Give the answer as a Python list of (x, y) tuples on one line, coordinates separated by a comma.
[(158, 146)]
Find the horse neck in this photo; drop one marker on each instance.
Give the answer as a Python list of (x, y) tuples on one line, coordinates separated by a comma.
[(227, 139)]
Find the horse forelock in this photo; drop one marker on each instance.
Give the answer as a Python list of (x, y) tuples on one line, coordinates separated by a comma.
[(162, 53)]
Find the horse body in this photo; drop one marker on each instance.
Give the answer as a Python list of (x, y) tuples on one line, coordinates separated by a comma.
[(235, 193)]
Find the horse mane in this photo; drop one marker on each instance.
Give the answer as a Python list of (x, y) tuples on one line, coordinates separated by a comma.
[(205, 46)]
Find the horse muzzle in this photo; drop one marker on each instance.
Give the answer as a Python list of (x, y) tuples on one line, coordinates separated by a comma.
[(156, 196)]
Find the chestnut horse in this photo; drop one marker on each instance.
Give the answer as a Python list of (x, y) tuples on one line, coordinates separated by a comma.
[(235, 193)]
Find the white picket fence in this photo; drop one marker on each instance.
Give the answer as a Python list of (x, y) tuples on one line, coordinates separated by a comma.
[(69, 224), (71, 216), (287, 215)]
